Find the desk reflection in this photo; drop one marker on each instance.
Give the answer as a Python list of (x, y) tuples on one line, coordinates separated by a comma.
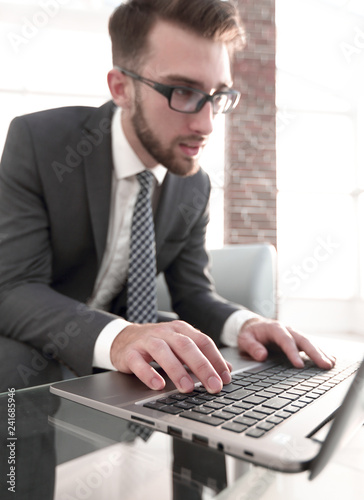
[(58, 443)]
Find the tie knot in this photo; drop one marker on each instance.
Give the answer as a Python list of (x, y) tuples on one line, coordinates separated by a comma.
[(145, 179)]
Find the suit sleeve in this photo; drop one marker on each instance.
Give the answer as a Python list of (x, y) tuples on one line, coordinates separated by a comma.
[(31, 310)]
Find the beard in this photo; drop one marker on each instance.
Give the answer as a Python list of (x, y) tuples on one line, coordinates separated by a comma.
[(164, 155)]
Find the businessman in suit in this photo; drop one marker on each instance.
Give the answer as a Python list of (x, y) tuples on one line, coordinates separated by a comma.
[(68, 185)]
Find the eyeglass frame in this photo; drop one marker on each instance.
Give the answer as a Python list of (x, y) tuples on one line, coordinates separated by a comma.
[(167, 91)]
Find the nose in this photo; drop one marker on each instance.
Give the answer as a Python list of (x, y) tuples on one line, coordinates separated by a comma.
[(202, 123)]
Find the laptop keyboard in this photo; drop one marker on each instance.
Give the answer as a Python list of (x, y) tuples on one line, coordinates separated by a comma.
[(257, 400)]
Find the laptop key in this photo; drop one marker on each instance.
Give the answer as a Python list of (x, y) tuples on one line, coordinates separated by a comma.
[(245, 421), (224, 401), (264, 384), (265, 394), (276, 403), (200, 417), (173, 410), (184, 405), (289, 395), (239, 394), (200, 390), (254, 387), (255, 414), (179, 396), (234, 427), (166, 401), (255, 433), (207, 397), (300, 404), (266, 411), (275, 390), (306, 399), (255, 400), (223, 414), (292, 408), (234, 410), (312, 395), (283, 414), (243, 405), (266, 426), (230, 388), (275, 420), (195, 401), (242, 382), (214, 405), (204, 409), (154, 405)]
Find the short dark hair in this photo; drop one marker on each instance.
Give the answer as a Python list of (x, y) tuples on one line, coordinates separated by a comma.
[(132, 21)]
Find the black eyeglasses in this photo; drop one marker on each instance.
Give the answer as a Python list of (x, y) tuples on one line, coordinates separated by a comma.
[(187, 100)]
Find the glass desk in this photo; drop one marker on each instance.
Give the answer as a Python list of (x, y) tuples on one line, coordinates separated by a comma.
[(65, 451)]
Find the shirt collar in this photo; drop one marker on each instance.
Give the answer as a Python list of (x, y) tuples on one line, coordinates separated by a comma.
[(126, 162)]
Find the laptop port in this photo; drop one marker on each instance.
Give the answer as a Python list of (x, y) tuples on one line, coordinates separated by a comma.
[(173, 431), (142, 420), (200, 439)]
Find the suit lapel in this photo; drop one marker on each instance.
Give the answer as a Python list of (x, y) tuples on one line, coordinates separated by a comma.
[(98, 171), (182, 201)]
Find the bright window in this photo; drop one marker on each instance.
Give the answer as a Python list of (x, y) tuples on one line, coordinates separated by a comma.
[(320, 163)]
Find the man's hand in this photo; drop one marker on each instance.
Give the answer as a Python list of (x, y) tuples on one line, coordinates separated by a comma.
[(258, 333), (171, 345)]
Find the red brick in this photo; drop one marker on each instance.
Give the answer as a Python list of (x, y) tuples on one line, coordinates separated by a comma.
[(250, 174)]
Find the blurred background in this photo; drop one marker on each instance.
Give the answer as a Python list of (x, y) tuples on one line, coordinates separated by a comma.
[(287, 167)]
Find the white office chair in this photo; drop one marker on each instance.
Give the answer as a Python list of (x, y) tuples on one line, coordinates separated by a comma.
[(245, 274)]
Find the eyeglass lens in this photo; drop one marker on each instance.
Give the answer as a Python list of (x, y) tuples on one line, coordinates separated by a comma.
[(190, 101)]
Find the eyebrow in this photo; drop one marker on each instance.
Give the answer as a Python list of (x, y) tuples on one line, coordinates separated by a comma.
[(194, 83)]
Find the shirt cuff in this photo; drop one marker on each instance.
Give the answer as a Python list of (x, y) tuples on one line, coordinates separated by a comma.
[(104, 342), (232, 326)]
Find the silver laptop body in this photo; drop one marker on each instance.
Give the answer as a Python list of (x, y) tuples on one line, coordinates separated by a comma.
[(289, 446)]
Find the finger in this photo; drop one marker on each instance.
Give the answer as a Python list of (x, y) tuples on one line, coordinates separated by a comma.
[(197, 362), (283, 338), (230, 366), (313, 352), (209, 350), (163, 354), (268, 333), (248, 344), (144, 371)]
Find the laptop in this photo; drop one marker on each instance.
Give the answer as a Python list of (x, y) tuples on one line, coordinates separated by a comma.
[(271, 414)]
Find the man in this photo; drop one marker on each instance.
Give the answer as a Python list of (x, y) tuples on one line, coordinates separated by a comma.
[(68, 186)]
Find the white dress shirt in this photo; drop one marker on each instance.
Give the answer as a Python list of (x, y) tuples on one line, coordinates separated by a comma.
[(125, 189)]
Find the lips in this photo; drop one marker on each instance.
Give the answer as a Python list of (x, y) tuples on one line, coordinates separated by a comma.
[(191, 149)]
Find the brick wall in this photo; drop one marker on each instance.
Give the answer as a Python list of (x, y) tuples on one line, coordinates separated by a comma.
[(250, 176)]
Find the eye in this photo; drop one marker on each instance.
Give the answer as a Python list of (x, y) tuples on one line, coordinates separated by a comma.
[(185, 93)]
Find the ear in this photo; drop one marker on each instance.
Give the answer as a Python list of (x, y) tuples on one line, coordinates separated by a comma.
[(121, 88)]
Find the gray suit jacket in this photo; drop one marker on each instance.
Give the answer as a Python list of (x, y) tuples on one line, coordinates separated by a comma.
[(55, 184)]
